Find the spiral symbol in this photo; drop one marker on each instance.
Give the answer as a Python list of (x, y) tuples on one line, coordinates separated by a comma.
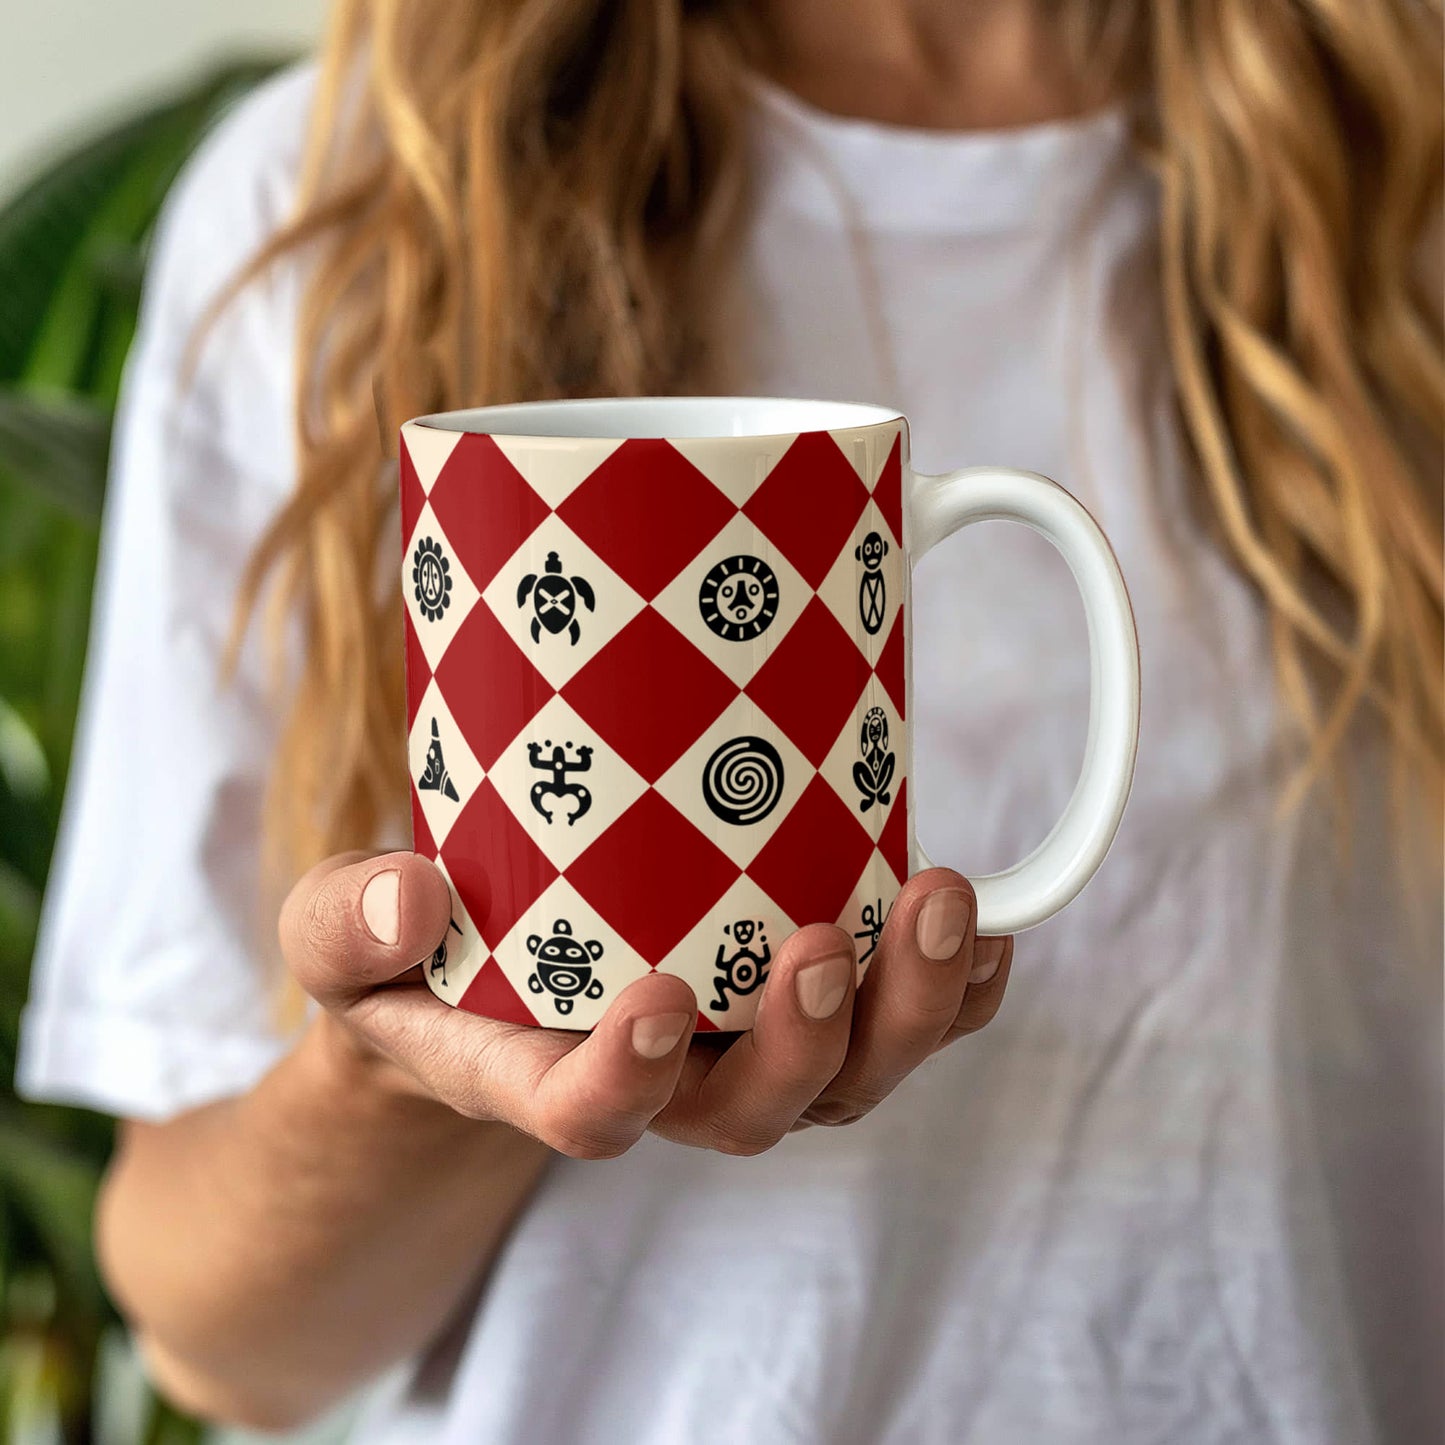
[(743, 780)]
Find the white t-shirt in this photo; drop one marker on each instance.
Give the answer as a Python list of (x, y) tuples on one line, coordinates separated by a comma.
[(1186, 1188)]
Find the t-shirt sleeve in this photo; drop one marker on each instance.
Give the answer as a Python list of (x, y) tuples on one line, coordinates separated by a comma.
[(150, 992)]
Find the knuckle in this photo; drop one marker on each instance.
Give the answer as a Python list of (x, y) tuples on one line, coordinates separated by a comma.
[(746, 1140), (579, 1138), (842, 1109)]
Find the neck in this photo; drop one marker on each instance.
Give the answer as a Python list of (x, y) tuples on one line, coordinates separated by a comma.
[(945, 64)]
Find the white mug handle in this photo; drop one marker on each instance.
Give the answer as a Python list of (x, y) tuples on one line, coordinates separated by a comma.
[(1054, 873)]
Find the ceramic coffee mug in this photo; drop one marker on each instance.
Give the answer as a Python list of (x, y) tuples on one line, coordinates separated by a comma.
[(658, 681)]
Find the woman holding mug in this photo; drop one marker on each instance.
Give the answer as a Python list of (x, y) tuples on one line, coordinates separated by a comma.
[(1188, 1187)]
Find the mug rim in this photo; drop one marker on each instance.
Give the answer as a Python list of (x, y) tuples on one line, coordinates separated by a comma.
[(544, 420)]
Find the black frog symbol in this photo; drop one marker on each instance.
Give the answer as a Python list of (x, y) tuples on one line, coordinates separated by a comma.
[(554, 600), (746, 967), (872, 588), (555, 760), (873, 774), (564, 966)]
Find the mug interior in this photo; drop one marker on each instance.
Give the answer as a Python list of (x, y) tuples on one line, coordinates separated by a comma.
[(628, 418)]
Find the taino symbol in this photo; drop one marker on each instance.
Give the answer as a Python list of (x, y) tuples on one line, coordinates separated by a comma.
[(431, 579), (873, 920), (438, 963), (564, 966), (745, 968), (434, 777), (557, 787), (554, 600), (872, 588), (873, 775), (743, 780), (738, 598)]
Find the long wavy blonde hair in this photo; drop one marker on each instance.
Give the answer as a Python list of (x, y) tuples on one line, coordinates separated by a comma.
[(513, 199)]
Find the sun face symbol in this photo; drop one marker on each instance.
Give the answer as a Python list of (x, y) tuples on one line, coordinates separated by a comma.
[(738, 598), (431, 579)]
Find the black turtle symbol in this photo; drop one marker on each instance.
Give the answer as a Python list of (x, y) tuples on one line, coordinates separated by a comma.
[(554, 600), (564, 966)]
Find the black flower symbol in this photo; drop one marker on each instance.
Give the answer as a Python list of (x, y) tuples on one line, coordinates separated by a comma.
[(431, 572)]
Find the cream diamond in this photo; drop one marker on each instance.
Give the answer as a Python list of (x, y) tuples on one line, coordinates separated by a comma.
[(429, 448), (435, 587), (737, 468), (444, 770), (554, 467), (867, 448), (726, 958), (869, 760), (460, 955), (736, 600), (565, 961), (559, 601), (563, 784), (739, 781), (864, 589)]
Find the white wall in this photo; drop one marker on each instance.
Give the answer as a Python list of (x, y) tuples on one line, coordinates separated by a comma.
[(67, 64)]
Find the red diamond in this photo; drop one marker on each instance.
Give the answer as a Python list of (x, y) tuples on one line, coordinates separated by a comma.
[(484, 505), (491, 994), (890, 666), (809, 866), (497, 870), (647, 512), (809, 504), (413, 499), (812, 682), (893, 842), (706, 1025), (418, 670), (888, 489), (421, 839), (650, 693), (652, 875), (489, 685)]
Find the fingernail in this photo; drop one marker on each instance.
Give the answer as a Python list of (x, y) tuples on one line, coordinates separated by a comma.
[(942, 923), (821, 986), (656, 1037), (987, 955), (381, 906)]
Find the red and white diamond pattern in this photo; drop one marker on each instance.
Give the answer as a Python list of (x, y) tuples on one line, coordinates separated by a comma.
[(572, 660)]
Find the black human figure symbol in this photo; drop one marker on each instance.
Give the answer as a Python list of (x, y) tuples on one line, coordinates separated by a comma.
[(745, 969), (557, 786), (738, 598), (564, 966), (431, 579), (435, 777), (439, 958), (873, 775), (554, 600), (873, 920), (872, 588)]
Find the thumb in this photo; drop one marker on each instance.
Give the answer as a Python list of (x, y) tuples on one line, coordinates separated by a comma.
[(354, 922)]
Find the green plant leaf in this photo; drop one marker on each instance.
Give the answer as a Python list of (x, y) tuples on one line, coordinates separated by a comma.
[(53, 1191), (57, 444)]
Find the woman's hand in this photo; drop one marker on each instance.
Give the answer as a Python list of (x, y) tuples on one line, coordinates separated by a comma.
[(353, 930)]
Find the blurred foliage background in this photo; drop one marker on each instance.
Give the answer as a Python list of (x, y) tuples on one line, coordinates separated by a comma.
[(72, 252)]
